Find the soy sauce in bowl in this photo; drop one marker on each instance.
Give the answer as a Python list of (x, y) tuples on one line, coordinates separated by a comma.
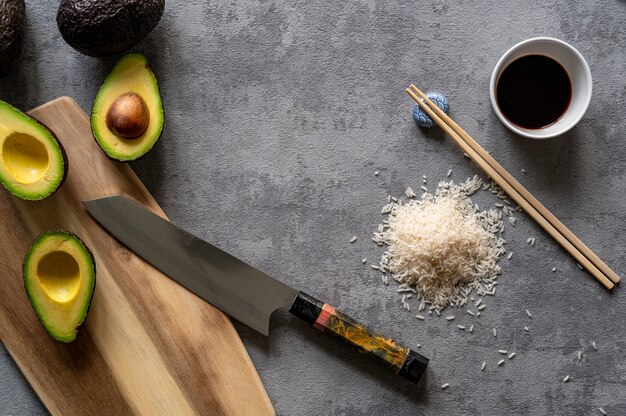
[(534, 91)]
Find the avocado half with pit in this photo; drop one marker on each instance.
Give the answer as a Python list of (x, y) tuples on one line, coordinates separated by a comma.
[(59, 277), (127, 114), (33, 164)]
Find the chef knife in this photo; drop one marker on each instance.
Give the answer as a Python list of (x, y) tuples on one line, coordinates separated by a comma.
[(240, 290)]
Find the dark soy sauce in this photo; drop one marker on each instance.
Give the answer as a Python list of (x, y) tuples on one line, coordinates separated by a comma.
[(534, 91)]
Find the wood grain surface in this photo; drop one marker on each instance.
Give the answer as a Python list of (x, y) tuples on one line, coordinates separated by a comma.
[(148, 346)]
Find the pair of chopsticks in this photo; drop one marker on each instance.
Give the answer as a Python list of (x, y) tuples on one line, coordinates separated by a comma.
[(517, 192)]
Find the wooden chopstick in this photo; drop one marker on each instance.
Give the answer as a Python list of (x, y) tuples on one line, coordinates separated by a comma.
[(523, 191), (518, 193)]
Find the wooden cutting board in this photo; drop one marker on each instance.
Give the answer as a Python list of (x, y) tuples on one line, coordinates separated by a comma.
[(148, 346)]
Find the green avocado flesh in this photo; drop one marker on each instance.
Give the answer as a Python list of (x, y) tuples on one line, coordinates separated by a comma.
[(32, 162), (131, 74), (59, 277)]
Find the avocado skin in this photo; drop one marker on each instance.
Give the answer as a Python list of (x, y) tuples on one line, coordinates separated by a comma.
[(107, 27), (92, 260), (11, 33)]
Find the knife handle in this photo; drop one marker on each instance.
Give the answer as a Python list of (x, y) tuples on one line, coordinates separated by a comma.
[(402, 360)]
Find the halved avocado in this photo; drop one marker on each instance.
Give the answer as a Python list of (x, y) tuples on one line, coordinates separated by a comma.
[(33, 164), (127, 114), (59, 277)]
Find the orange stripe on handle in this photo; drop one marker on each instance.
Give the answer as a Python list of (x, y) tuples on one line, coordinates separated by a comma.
[(323, 319)]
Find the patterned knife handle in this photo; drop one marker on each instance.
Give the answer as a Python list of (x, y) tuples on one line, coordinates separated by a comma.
[(324, 317)]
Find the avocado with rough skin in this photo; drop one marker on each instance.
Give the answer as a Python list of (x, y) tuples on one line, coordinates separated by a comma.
[(11, 33), (59, 278), (127, 114), (107, 27), (33, 164)]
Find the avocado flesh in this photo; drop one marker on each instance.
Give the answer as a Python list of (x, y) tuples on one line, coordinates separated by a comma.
[(130, 74), (33, 164), (59, 277), (11, 33)]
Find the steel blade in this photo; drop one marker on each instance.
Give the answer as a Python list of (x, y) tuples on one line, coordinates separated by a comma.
[(242, 291)]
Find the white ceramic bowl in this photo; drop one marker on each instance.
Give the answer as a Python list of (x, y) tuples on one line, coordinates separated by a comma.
[(579, 74)]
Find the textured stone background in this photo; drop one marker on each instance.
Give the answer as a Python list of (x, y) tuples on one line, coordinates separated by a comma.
[(277, 115)]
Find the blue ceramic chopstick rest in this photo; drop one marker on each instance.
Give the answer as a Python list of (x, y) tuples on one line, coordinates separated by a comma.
[(421, 118)]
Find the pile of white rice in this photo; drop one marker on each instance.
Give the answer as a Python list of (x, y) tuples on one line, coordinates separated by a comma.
[(441, 246)]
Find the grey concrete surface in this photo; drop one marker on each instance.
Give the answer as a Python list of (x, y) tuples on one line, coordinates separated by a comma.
[(277, 115)]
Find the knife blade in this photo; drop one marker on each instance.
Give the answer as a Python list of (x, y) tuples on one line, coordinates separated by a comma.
[(237, 288)]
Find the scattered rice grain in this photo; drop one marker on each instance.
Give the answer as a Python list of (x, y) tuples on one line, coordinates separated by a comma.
[(353, 239), (566, 379), (528, 313), (444, 386), (511, 355), (500, 363), (449, 318), (483, 365)]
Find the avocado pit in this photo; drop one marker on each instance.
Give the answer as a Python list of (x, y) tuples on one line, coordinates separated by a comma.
[(128, 116)]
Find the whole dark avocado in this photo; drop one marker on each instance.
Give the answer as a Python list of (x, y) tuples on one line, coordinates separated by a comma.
[(107, 27), (11, 33)]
